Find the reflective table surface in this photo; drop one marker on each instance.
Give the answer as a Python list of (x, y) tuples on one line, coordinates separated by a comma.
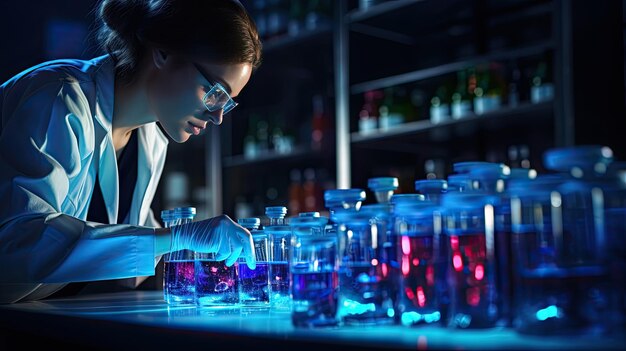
[(141, 319)]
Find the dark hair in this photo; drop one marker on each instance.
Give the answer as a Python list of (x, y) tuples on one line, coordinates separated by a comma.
[(219, 30)]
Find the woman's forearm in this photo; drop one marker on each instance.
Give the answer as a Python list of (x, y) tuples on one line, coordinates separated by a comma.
[(162, 241)]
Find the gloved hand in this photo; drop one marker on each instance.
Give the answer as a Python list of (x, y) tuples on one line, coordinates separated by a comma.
[(219, 235)]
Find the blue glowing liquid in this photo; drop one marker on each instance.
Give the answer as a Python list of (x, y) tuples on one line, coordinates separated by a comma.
[(179, 282), (555, 300), (314, 299), (420, 276), (366, 295), (216, 283), (254, 284), (279, 285)]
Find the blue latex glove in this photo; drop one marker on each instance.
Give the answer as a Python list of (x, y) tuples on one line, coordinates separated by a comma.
[(219, 235)]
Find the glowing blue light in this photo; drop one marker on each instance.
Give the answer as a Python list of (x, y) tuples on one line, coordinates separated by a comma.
[(548, 312), (391, 312), (354, 307), (432, 317)]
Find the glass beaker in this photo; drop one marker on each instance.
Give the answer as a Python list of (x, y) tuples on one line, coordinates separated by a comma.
[(313, 268), (254, 284), (365, 286), (279, 242), (469, 229), (422, 284), (383, 187), (178, 267), (216, 284)]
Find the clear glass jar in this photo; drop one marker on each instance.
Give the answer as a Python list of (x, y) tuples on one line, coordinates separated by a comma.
[(383, 188), (365, 284), (422, 280), (254, 284), (564, 275), (469, 228), (313, 267), (433, 189), (279, 237), (179, 267), (216, 283)]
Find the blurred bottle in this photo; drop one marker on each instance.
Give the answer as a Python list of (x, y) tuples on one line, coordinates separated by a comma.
[(318, 14), (296, 193), (461, 102), (250, 148), (296, 18), (259, 13), (262, 137), (440, 105), (488, 92), (277, 18), (390, 113), (310, 191), (319, 124), (514, 86), (542, 88), (368, 116)]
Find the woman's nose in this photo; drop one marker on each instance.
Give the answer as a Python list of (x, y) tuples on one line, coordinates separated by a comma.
[(216, 117)]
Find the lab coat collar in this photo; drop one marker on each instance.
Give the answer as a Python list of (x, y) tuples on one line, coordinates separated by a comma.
[(152, 147), (107, 167)]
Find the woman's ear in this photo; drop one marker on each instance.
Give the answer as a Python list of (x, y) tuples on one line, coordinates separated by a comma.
[(159, 57)]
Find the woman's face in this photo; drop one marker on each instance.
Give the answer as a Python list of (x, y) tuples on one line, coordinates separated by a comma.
[(178, 86)]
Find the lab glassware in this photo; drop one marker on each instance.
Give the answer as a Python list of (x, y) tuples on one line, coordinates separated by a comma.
[(313, 269), (254, 284)]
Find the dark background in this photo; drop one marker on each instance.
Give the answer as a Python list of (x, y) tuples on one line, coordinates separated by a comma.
[(582, 43)]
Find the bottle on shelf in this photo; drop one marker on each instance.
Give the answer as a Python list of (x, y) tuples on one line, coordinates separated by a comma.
[(368, 116), (310, 191), (277, 19), (514, 87), (250, 147), (262, 137), (461, 101), (439, 106), (542, 88), (488, 92), (319, 124), (390, 114), (296, 192), (296, 18), (318, 14)]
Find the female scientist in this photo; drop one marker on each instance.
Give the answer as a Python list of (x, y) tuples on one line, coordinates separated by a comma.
[(83, 144)]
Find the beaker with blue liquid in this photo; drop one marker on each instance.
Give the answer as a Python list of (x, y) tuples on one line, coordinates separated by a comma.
[(279, 242), (179, 270), (366, 292), (254, 284), (313, 268)]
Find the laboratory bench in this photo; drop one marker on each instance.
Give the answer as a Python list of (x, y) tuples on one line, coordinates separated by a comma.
[(141, 320)]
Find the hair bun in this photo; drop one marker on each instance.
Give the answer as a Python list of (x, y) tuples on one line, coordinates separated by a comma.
[(124, 16)]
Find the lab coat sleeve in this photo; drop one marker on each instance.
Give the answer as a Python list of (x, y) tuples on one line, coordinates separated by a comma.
[(47, 137)]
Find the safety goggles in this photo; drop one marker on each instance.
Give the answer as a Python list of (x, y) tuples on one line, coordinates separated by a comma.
[(217, 97)]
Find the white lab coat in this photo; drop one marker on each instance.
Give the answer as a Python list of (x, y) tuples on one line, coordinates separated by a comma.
[(55, 138)]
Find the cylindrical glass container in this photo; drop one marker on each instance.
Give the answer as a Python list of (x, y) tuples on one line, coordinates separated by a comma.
[(313, 269), (469, 228), (254, 284), (279, 241), (366, 291), (179, 270), (422, 282)]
